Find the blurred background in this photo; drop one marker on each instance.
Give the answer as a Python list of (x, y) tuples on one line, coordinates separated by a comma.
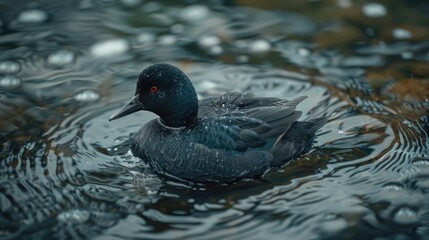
[(66, 66)]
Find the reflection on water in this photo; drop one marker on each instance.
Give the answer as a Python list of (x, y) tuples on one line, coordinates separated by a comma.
[(65, 66)]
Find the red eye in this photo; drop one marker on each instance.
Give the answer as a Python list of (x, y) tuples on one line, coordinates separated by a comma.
[(154, 89)]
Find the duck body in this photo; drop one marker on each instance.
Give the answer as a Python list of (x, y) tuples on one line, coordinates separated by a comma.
[(221, 139)]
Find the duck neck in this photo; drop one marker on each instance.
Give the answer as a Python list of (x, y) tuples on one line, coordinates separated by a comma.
[(183, 113)]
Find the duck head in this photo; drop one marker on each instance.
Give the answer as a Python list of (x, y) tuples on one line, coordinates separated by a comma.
[(166, 91)]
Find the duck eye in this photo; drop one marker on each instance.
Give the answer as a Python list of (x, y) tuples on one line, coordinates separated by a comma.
[(154, 89)]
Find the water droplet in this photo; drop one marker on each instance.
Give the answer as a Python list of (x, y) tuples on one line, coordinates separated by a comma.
[(208, 41), (374, 10), (341, 132), (32, 16), (146, 37), (393, 187), (109, 48), (167, 40), (10, 82), (9, 67), (259, 46), (87, 96), (61, 58), (75, 216), (405, 215), (195, 12), (401, 33)]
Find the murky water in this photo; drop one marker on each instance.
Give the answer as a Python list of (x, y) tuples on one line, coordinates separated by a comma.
[(65, 66)]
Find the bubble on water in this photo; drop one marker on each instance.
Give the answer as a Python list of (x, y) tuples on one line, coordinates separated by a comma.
[(9, 67), (208, 41), (61, 58), (131, 3), (152, 7), (10, 82), (259, 46), (374, 10), (405, 215), (243, 59), (32, 16), (407, 55), (167, 40), (146, 37), (421, 162), (216, 50), (195, 12), (87, 96), (109, 48), (344, 3), (400, 33), (177, 28), (74, 216), (303, 52), (85, 4), (207, 86), (333, 226), (395, 187), (120, 140)]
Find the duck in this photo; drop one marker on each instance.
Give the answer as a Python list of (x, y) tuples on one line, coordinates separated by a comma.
[(221, 139)]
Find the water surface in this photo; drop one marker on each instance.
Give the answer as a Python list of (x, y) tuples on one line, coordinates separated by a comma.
[(66, 66)]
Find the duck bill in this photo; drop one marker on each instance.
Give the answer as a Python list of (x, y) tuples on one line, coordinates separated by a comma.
[(132, 106)]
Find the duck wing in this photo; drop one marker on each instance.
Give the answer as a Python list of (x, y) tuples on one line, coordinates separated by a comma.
[(235, 101), (246, 122)]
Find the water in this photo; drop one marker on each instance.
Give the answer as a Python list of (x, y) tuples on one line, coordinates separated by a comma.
[(66, 66)]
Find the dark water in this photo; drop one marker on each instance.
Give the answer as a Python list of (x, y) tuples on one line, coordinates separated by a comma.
[(65, 66)]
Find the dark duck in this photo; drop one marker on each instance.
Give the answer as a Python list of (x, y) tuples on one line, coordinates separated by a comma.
[(220, 139)]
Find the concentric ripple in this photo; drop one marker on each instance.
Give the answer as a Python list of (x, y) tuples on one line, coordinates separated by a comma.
[(67, 172)]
